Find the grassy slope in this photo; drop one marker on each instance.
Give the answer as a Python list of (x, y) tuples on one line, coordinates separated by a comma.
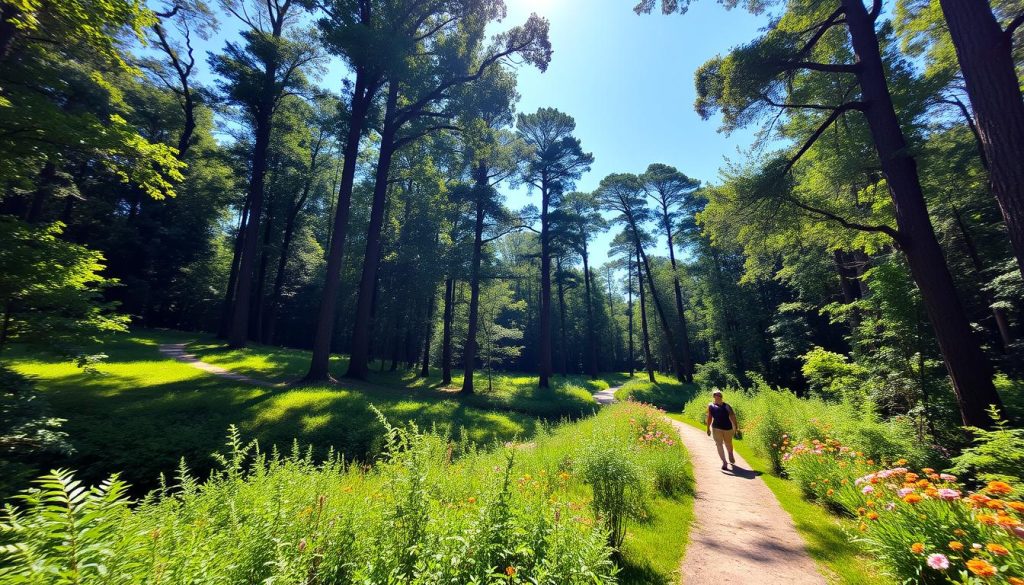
[(666, 393), (142, 412), (826, 535)]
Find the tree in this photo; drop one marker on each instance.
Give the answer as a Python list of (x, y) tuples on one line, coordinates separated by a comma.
[(453, 56), (671, 190), (558, 161), (787, 68), (583, 220), (256, 77), (985, 52), (623, 194), (497, 305)]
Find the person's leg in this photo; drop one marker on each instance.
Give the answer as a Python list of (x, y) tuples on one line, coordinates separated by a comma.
[(719, 436), (727, 435)]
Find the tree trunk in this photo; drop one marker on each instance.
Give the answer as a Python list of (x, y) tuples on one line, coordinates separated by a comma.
[(666, 328), (684, 347), (629, 309), (998, 314), (469, 350), (546, 369), (446, 336), (256, 323), (362, 97), (358, 365), (425, 370), (563, 361), (282, 263), (591, 341), (229, 295), (648, 361), (969, 369), (985, 53), (239, 333)]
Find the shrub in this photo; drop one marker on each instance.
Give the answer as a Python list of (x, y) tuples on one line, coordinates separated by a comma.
[(919, 525), (617, 480), (997, 455), (715, 374), (27, 429), (664, 394)]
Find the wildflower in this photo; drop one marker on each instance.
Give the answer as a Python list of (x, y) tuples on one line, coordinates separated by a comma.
[(947, 477), (917, 548), (870, 503), (1008, 521), (911, 477), (302, 544), (938, 561), (1018, 506), (976, 546), (981, 568), (905, 492), (870, 461), (867, 489), (959, 532), (956, 546), (861, 511), (987, 519), (564, 476), (924, 483), (830, 492), (862, 527), (510, 571), (471, 500), (928, 470), (997, 549), (948, 494), (911, 498), (872, 515), (1016, 581), (999, 487), (890, 506), (995, 505)]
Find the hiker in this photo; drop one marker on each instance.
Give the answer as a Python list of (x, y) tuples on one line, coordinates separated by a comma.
[(721, 422)]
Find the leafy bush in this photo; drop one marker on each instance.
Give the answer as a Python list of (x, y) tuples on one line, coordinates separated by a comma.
[(833, 375), (618, 483), (27, 429), (715, 374), (429, 511), (665, 394), (997, 455), (768, 414)]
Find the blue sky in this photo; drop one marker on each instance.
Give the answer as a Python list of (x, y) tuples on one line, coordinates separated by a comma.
[(628, 82), (627, 79)]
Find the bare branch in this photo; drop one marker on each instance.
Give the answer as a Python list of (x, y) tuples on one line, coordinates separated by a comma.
[(884, 229), (825, 67), (821, 129)]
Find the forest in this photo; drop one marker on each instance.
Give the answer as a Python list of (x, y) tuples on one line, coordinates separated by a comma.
[(341, 204)]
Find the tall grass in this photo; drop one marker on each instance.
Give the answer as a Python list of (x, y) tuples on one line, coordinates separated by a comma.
[(430, 510)]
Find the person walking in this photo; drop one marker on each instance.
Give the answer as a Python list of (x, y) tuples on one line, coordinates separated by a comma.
[(722, 425)]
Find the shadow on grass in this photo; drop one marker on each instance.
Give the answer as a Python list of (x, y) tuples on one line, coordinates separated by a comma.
[(641, 573)]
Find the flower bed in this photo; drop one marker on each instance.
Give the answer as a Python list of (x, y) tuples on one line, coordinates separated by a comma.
[(923, 526)]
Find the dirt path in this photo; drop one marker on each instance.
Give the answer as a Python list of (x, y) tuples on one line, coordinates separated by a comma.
[(177, 351), (741, 533), (606, 396)]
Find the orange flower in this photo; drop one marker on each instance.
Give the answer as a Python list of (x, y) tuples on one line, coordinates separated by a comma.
[(928, 470), (979, 499), (957, 546), (1008, 521), (959, 532), (510, 571), (869, 461), (872, 515), (471, 500), (981, 568), (861, 511), (917, 548), (987, 519), (1018, 506), (1016, 581), (994, 504), (911, 477), (862, 527), (830, 492), (999, 487), (924, 483), (997, 549), (911, 498)]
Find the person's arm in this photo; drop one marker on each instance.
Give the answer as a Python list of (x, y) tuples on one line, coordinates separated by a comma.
[(707, 419), (732, 418)]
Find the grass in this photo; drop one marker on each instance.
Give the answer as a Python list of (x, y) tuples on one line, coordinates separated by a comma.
[(142, 412), (827, 536), (570, 396), (666, 392)]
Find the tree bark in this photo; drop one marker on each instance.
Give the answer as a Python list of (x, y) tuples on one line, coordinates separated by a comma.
[(666, 328), (563, 361), (969, 369), (684, 347), (358, 365), (985, 52), (546, 369), (229, 294), (629, 310), (446, 336), (591, 341), (470, 348), (428, 333), (238, 336), (648, 361), (362, 97), (282, 262)]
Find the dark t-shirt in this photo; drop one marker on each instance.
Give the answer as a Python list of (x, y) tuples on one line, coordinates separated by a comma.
[(720, 416)]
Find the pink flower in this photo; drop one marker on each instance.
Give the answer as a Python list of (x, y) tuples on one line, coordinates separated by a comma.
[(938, 561), (947, 477), (867, 489), (905, 491), (948, 494), (890, 506)]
